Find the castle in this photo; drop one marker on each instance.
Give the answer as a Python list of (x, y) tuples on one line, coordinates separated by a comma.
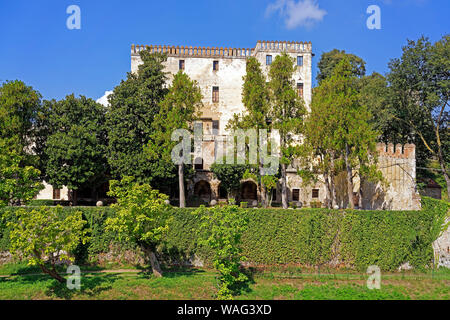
[(219, 73)]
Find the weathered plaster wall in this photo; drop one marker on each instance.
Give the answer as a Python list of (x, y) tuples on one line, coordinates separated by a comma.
[(47, 193), (232, 69)]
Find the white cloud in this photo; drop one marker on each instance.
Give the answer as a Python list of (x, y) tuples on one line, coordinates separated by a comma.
[(104, 100), (301, 13)]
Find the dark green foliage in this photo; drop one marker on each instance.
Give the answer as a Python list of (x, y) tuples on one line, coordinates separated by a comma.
[(19, 108), (230, 175), (75, 148), (308, 236), (329, 60), (420, 82), (134, 105)]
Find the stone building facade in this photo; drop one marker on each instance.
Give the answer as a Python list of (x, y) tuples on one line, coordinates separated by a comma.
[(219, 73)]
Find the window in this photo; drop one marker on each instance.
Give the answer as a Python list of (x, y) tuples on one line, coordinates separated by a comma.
[(215, 65), (315, 193), (268, 60), (300, 61), (215, 94), (207, 127), (296, 195), (215, 124), (274, 194), (300, 89), (56, 194), (181, 65), (199, 164)]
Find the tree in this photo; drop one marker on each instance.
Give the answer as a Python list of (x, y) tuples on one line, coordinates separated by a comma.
[(142, 217), (376, 95), (329, 61), (18, 184), (221, 230), (230, 175), (133, 105), (287, 111), (19, 107), (256, 99), (179, 109), (420, 81), (338, 132), (317, 154), (45, 237), (75, 149)]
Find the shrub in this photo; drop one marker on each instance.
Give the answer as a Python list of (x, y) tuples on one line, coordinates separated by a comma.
[(41, 203), (221, 230), (276, 236), (142, 216), (44, 237), (244, 204), (315, 204)]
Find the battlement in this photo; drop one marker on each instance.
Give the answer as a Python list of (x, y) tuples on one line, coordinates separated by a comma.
[(291, 46), (221, 52), (200, 52), (407, 151)]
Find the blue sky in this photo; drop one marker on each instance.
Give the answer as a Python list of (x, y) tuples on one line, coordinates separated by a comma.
[(38, 48)]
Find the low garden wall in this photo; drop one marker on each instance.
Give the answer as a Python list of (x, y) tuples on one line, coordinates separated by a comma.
[(311, 237)]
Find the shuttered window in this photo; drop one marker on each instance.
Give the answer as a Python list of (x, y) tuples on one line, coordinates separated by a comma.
[(300, 89), (315, 193), (295, 195), (215, 94), (56, 194)]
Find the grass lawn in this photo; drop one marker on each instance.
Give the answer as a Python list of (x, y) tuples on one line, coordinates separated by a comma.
[(200, 284)]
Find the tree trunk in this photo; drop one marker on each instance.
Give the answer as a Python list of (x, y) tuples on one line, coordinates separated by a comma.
[(444, 172), (328, 200), (94, 195), (284, 199), (263, 189), (349, 177), (181, 185), (74, 198), (156, 267), (154, 263), (332, 185), (360, 200), (52, 273), (269, 198), (447, 180), (264, 196)]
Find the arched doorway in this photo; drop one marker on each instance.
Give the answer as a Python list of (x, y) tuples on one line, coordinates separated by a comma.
[(249, 191), (202, 189)]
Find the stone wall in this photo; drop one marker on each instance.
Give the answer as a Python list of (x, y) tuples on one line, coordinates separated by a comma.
[(441, 248), (399, 193), (398, 165)]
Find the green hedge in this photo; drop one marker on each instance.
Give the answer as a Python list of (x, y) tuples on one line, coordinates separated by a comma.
[(313, 237)]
